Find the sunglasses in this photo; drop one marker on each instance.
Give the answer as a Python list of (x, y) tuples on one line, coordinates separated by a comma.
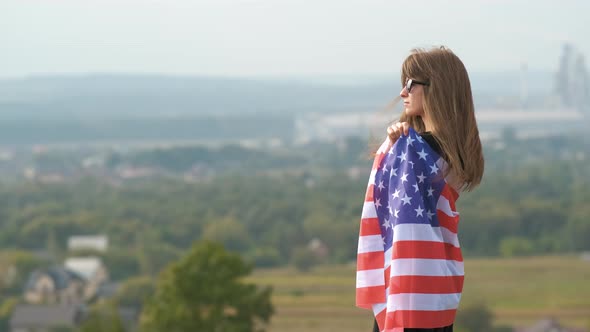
[(410, 83)]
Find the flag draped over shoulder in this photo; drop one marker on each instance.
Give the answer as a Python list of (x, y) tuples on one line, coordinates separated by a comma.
[(409, 263)]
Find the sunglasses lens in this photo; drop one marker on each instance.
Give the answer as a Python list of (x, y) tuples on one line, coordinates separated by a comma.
[(409, 86)]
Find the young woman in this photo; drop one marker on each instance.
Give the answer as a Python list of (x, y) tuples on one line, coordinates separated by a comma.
[(409, 264)]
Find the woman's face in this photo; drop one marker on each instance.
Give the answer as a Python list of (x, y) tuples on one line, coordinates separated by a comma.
[(413, 99)]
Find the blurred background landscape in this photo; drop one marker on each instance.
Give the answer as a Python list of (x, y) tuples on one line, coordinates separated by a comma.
[(132, 132)]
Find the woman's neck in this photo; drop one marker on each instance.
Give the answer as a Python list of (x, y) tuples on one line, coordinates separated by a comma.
[(427, 124)]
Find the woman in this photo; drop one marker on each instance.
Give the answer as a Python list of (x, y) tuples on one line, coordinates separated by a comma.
[(409, 264)]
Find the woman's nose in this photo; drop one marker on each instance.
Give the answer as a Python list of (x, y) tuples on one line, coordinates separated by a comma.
[(404, 92)]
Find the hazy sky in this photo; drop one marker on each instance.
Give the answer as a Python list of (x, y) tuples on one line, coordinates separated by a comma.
[(281, 37)]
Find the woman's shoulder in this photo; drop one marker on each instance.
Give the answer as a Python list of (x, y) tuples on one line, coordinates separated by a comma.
[(432, 142)]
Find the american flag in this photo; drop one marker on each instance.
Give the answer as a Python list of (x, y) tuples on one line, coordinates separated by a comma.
[(409, 263)]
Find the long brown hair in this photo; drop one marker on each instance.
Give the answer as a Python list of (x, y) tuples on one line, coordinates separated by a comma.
[(448, 104)]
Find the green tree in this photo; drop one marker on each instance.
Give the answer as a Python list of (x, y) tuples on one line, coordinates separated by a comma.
[(516, 246), (135, 292), (203, 291), (103, 318), (475, 318), (303, 259)]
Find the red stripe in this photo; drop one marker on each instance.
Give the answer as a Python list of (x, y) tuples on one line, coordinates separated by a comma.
[(426, 285), (426, 249), (451, 195), (448, 222), (369, 261), (370, 226), (367, 296), (380, 317), (386, 274), (369, 195), (419, 319)]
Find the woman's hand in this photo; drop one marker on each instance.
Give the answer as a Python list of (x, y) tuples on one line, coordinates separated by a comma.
[(395, 130)]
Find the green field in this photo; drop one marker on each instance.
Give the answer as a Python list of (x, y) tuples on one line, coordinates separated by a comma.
[(519, 291)]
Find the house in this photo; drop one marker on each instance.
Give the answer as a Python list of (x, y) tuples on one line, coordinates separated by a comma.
[(54, 285), (78, 281), (92, 271), (98, 243), (44, 318)]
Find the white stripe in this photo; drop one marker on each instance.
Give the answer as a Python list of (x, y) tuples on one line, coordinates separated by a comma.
[(369, 210), (428, 302), (444, 206), (449, 237), (377, 308), (372, 177), (387, 257), (369, 278), (384, 146), (426, 267), (424, 232), (370, 243)]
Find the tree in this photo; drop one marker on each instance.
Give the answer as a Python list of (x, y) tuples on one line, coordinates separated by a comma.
[(103, 318), (203, 291), (475, 318)]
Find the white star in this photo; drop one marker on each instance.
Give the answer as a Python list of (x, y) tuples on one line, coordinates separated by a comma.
[(396, 194), (395, 213), (381, 186), (422, 154), (411, 163), (385, 170), (421, 177), (404, 177), (415, 185), (386, 224), (419, 211), (378, 203), (410, 140), (433, 169), (389, 208), (403, 156), (419, 139), (406, 199), (430, 191), (390, 151), (383, 238), (429, 214), (393, 172)]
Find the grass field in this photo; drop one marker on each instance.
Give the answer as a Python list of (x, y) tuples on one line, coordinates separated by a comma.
[(519, 291)]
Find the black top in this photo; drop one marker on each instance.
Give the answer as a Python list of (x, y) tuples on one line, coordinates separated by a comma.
[(429, 138)]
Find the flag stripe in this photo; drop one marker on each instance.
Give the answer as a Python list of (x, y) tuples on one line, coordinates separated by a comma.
[(420, 319), (426, 284), (450, 223), (426, 267), (426, 249), (370, 278), (424, 232), (370, 227), (423, 302), (369, 195), (369, 210), (370, 260), (370, 243), (444, 205), (366, 297)]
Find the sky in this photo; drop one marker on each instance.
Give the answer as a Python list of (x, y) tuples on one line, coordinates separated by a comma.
[(278, 38)]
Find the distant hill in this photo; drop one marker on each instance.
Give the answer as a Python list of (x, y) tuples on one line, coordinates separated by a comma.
[(104, 94), (89, 108)]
